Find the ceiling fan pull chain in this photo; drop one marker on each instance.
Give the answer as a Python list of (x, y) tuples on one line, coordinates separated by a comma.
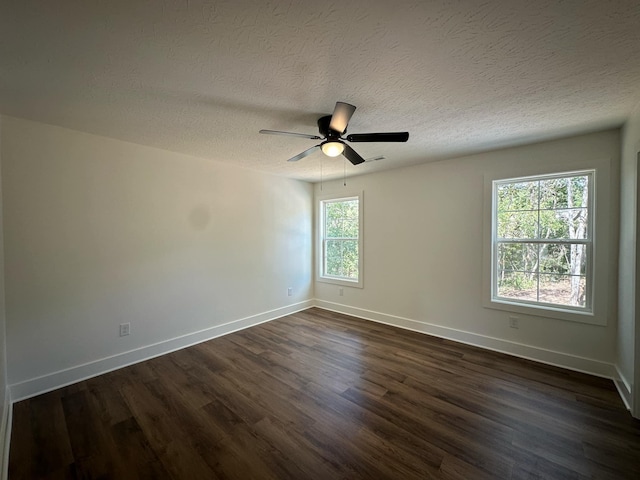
[(344, 175)]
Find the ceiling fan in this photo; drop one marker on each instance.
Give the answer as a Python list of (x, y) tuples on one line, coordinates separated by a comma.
[(332, 127)]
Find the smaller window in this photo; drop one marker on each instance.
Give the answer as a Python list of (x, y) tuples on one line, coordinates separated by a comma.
[(543, 241), (340, 238)]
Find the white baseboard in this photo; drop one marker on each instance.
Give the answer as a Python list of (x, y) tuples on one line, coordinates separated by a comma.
[(36, 386), (52, 381), (624, 388), (5, 432), (549, 357)]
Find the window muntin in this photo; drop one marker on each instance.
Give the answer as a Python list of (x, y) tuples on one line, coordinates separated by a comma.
[(543, 241), (340, 240)]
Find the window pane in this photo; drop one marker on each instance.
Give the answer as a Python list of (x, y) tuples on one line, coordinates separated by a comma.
[(333, 219), (563, 259), (341, 219), (579, 260), (518, 285), (333, 257), (521, 257), (517, 196), (334, 227), (563, 290), (569, 223), (564, 202), (350, 259), (350, 209), (554, 258), (566, 192), (350, 227), (553, 225), (523, 224), (553, 193), (577, 191), (341, 258)]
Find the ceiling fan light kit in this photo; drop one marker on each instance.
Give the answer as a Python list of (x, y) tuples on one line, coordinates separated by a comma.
[(332, 127), (332, 149)]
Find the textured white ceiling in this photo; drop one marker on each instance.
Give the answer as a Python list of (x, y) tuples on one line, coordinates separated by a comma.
[(203, 77)]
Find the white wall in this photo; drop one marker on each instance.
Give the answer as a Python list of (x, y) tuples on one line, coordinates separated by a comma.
[(100, 232), (423, 253), (628, 358)]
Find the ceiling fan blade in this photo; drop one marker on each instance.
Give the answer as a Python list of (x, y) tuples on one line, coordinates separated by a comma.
[(307, 152), (341, 116), (379, 137), (291, 134), (352, 155)]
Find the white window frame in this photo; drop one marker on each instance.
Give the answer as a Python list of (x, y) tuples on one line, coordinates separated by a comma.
[(320, 246), (588, 242), (603, 246)]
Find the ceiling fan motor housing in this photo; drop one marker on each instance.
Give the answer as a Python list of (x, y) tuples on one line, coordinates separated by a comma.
[(325, 131)]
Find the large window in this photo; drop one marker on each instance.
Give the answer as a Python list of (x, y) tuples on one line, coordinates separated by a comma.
[(542, 237), (340, 248)]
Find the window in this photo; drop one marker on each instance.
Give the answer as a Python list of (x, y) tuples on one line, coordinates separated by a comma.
[(542, 236), (340, 248)]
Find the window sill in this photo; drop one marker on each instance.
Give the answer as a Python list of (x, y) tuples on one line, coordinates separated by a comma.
[(545, 311), (341, 281)]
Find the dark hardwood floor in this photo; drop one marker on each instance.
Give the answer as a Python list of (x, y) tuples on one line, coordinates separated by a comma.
[(319, 395)]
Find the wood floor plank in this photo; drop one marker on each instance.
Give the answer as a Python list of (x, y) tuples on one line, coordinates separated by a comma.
[(23, 445), (321, 395), (133, 453), (310, 461), (49, 428), (106, 399), (411, 451)]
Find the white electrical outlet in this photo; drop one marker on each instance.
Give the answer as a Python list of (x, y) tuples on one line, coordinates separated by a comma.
[(341, 292), (289, 291), (125, 329), (513, 322)]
